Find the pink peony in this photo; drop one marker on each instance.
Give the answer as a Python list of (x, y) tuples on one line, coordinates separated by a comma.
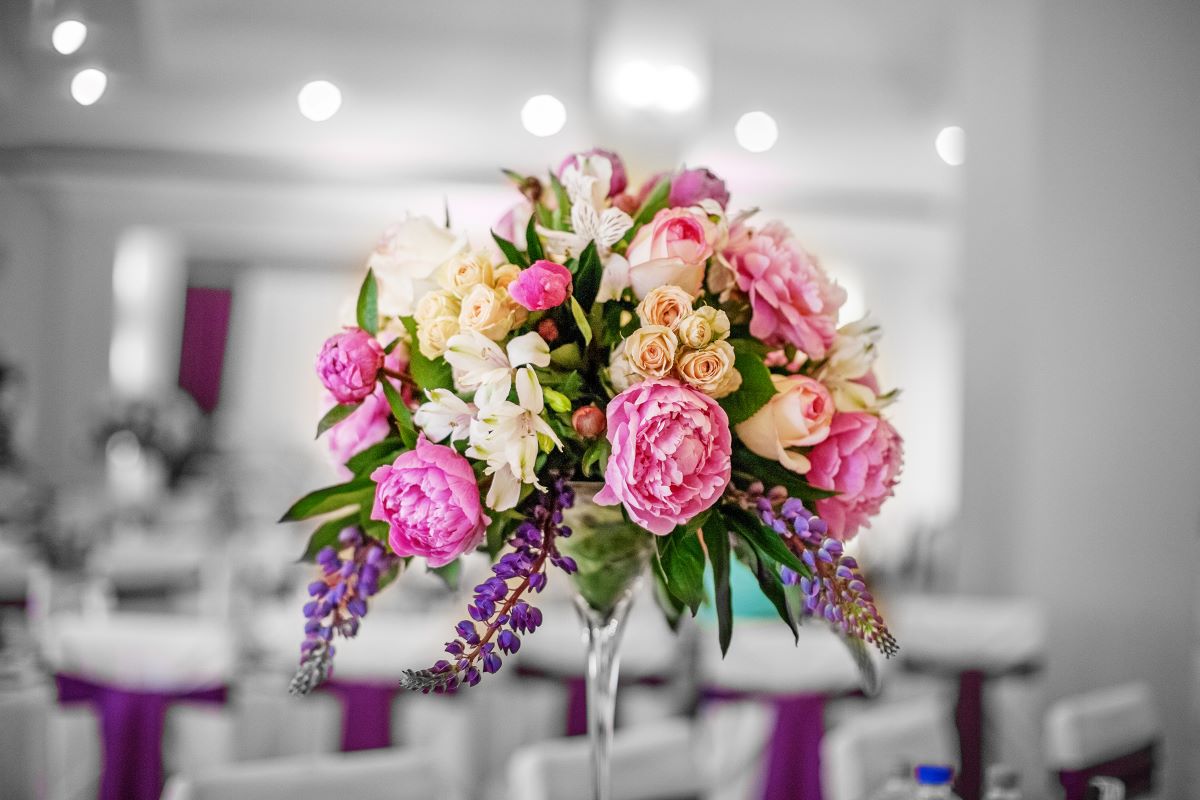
[(349, 364), (618, 181), (673, 248), (670, 454), (861, 460), (792, 300), (429, 498), (543, 285), (692, 186), (368, 425)]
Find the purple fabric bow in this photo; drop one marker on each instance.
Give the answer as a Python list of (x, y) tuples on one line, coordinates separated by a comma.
[(131, 728), (793, 768), (366, 712), (1135, 769)]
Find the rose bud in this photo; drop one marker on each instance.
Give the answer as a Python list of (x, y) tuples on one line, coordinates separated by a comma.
[(627, 203), (548, 330), (589, 422)]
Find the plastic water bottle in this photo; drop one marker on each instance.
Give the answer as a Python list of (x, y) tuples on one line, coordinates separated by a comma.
[(1002, 782), (933, 782)]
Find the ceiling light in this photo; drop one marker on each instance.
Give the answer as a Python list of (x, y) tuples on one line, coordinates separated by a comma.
[(678, 88), (543, 115), (88, 86), (756, 131), (319, 100), (68, 36), (951, 145)]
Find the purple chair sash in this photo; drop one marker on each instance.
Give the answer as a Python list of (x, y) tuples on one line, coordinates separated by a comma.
[(1135, 769), (793, 767), (576, 686), (366, 712), (131, 728)]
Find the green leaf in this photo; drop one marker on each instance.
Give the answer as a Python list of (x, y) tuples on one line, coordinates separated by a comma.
[(612, 324), (756, 389), (335, 415), (716, 541), (571, 385), (749, 346), (655, 202), (404, 420), (450, 573), (368, 304), (671, 607), (384, 452), (586, 276), (510, 251), (427, 373), (331, 498), (556, 400), (327, 535), (682, 560), (499, 530), (596, 455), (585, 329), (769, 582), (373, 528), (772, 473), (560, 195), (764, 539), (566, 356), (533, 244)]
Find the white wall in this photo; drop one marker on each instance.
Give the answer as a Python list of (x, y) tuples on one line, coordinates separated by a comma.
[(1082, 243)]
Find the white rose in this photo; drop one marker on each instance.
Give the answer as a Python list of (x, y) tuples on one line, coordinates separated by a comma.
[(433, 337), (406, 259), (852, 354), (461, 274), (486, 311), (710, 370), (704, 325), (440, 303), (620, 373)]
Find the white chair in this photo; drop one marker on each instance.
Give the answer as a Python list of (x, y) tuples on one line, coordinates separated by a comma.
[(375, 775), (1111, 732), (24, 715), (986, 653), (866, 749), (650, 762)]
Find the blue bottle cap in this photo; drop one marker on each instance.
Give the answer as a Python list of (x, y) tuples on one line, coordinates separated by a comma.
[(933, 774)]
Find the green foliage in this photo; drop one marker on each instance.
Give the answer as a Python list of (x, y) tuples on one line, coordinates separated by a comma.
[(764, 540), (500, 529), (757, 387), (428, 373), (562, 214), (586, 276), (384, 452), (449, 573), (330, 498), (716, 541), (511, 253), (567, 356), (404, 420), (335, 415), (655, 202), (595, 457), (533, 243), (368, 304), (556, 400), (772, 473), (326, 535), (766, 570), (682, 559), (581, 320)]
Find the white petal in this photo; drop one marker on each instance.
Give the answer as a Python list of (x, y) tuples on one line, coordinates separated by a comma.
[(529, 348), (585, 221), (505, 491), (494, 390), (613, 224), (614, 279), (474, 357), (529, 391)]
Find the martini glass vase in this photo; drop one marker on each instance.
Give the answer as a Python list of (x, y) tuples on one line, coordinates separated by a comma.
[(612, 556)]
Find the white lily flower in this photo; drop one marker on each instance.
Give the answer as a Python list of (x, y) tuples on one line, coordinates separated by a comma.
[(476, 359), (445, 415)]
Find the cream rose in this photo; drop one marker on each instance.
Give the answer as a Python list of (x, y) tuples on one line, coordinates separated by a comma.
[(406, 259), (798, 416), (440, 303), (463, 273), (432, 337), (651, 350), (702, 326), (620, 372), (673, 248), (665, 305), (710, 370), (486, 311), (504, 275)]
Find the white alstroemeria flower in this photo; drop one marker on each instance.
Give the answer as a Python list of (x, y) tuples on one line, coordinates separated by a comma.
[(508, 436), (476, 360), (614, 279), (529, 348), (587, 181), (445, 415)]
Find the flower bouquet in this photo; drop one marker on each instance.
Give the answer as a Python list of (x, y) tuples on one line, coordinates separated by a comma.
[(617, 385)]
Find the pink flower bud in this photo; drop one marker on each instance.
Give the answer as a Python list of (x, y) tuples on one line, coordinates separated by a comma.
[(349, 364)]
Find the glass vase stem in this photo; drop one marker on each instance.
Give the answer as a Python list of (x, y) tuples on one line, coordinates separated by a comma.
[(602, 636)]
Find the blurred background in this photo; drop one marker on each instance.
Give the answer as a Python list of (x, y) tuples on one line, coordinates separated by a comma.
[(189, 191)]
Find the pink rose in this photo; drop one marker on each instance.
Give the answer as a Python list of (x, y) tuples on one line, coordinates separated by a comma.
[(673, 248), (692, 186), (670, 454), (798, 415), (367, 425), (792, 300), (616, 183), (543, 285), (429, 498), (349, 364), (861, 460)]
